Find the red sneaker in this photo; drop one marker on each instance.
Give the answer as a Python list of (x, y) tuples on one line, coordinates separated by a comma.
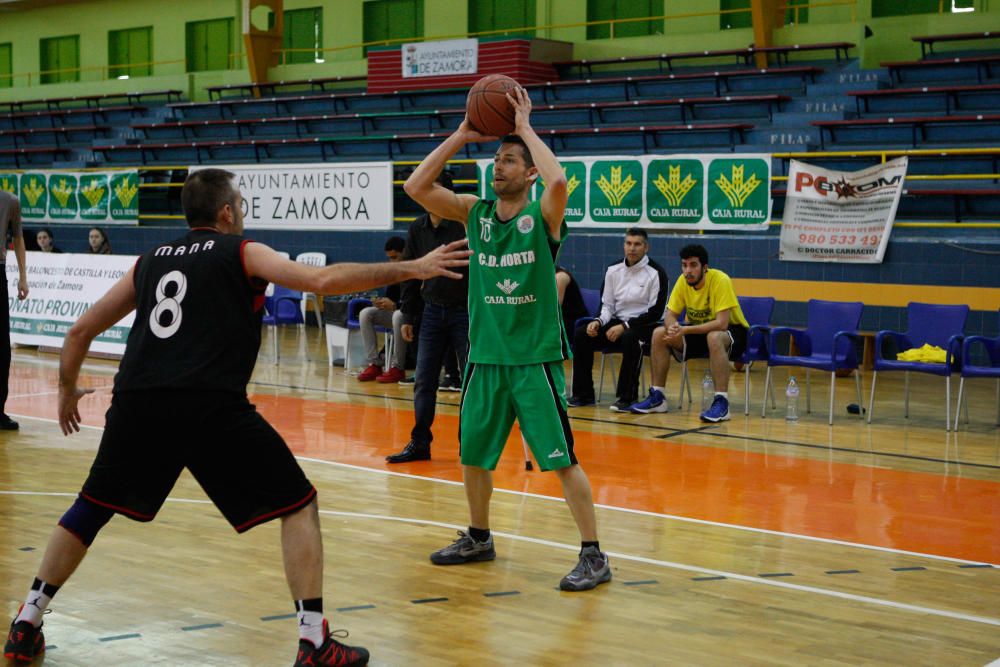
[(24, 642), (370, 373), (392, 375), (331, 653)]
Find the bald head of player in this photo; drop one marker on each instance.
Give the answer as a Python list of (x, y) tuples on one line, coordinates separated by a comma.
[(211, 198)]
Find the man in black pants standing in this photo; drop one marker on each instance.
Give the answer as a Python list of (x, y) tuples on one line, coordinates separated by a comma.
[(10, 222), (442, 309)]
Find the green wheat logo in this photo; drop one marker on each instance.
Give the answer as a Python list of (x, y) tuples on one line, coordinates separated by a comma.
[(93, 192), (616, 189), (737, 190), (62, 192), (33, 191), (125, 192), (674, 190)]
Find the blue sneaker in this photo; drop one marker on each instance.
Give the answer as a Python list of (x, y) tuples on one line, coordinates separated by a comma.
[(718, 411), (655, 402)]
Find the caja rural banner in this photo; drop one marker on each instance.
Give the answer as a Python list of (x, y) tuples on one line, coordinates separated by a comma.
[(711, 191), (840, 216), (336, 196), (61, 287), (86, 197)]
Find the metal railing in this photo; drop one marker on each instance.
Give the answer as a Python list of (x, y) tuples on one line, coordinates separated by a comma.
[(236, 60), (611, 23), (35, 78)]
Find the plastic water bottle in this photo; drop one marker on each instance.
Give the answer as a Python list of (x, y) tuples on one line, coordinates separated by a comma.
[(792, 400), (707, 391)]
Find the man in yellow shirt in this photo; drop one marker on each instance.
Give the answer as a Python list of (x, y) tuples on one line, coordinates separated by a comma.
[(714, 326)]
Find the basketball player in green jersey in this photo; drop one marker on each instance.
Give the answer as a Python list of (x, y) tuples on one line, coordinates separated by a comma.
[(516, 340)]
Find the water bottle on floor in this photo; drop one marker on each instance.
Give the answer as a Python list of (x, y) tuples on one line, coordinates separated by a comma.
[(707, 391), (792, 400)]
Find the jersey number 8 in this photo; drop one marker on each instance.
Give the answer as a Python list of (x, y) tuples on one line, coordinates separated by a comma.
[(165, 319)]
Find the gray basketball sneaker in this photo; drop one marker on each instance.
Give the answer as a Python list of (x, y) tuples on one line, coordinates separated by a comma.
[(464, 550), (592, 569)]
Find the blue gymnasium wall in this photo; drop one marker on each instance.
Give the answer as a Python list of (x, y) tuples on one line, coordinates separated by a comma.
[(925, 259)]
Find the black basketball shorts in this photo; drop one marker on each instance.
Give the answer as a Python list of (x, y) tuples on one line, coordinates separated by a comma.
[(240, 461), (696, 345)]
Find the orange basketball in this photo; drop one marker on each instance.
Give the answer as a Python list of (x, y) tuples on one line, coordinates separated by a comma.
[(489, 111)]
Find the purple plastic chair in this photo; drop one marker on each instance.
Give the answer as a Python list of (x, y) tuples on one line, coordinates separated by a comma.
[(969, 370), (592, 302), (826, 344), (354, 308), (282, 307), (757, 311), (935, 324)]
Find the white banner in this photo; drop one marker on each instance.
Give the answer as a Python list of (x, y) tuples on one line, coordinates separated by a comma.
[(698, 191), (347, 196), (840, 216), (61, 287), (443, 58)]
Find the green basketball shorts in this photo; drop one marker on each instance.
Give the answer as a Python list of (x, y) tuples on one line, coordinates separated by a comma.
[(495, 395)]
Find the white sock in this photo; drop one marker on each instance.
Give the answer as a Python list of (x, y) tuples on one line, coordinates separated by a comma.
[(723, 394), (311, 627), (659, 389), (33, 608)]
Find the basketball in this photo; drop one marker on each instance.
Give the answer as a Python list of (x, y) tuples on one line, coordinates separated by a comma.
[(489, 111)]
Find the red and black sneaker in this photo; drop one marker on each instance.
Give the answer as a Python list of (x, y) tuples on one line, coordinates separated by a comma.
[(331, 653), (24, 642)]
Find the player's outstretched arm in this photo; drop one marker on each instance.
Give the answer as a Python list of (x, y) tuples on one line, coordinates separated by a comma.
[(109, 309), (263, 262), (432, 197), (556, 195)]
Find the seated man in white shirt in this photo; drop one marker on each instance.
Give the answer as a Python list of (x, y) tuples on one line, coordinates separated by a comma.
[(633, 297)]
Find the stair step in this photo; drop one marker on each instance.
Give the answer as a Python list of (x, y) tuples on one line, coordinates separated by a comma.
[(796, 119), (818, 104), (840, 89), (854, 77), (784, 138)]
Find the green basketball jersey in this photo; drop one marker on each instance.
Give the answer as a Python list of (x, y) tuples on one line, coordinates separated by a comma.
[(514, 312)]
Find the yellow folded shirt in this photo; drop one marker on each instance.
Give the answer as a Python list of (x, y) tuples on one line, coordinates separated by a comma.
[(928, 354)]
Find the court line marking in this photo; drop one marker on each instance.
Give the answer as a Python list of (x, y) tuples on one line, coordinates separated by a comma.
[(659, 515), (694, 568), (41, 393), (103, 369), (611, 508), (628, 557), (53, 421), (708, 432)]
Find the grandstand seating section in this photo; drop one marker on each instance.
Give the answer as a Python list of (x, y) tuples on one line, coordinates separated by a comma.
[(828, 105)]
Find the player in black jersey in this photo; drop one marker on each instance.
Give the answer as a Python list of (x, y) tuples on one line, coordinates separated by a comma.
[(180, 402)]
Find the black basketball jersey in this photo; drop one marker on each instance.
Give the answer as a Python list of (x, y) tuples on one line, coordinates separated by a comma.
[(197, 317)]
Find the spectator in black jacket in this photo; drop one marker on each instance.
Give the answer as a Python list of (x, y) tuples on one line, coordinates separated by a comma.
[(441, 306), (46, 240), (570, 299)]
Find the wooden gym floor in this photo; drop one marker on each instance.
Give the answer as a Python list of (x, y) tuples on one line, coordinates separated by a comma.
[(750, 542)]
